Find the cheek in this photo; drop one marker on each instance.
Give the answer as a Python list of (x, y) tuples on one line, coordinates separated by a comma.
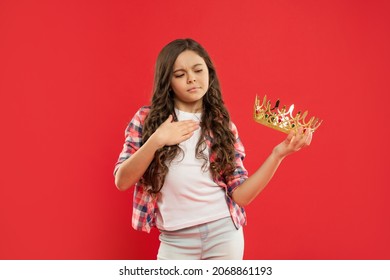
[(174, 84), (178, 86), (207, 81), (207, 78)]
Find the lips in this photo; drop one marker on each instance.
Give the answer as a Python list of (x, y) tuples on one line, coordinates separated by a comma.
[(193, 89)]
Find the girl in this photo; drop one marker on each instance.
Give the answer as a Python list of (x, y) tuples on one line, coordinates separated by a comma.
[(185, 158)]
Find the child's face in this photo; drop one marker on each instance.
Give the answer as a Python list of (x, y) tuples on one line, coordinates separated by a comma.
[(190, 81)]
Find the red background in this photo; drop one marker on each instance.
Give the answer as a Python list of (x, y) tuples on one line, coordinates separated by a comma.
[(74, 72)]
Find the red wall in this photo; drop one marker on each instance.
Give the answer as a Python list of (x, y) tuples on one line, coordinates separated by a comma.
[(72, 74)]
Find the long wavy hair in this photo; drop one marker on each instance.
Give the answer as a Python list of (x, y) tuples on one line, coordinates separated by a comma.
[(215, 121)]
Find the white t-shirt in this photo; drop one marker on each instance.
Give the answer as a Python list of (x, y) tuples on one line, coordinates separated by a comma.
[(189, 195)]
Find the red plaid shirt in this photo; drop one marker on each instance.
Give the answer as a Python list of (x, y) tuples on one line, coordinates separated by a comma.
[(144, 205)]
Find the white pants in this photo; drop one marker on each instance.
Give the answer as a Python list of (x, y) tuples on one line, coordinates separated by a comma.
[(217, 240)]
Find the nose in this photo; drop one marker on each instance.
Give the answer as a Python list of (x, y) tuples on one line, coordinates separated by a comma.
[(190, 78)]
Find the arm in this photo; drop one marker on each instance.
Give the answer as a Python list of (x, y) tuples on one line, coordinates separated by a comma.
[(169, 133), (248, 190)]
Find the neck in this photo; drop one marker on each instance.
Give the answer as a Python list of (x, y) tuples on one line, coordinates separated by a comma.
[(189, 109)]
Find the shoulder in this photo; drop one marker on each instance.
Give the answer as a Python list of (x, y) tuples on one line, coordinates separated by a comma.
[(233, 128), (141, 115), (138, 120), (143, 111)]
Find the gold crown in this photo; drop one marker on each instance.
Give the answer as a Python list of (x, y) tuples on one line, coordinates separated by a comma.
[(282, 119)]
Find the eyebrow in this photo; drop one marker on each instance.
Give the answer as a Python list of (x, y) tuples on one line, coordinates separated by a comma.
[(180, 69)]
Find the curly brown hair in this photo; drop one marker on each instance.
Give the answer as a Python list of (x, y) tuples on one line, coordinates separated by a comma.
[(215, 122)]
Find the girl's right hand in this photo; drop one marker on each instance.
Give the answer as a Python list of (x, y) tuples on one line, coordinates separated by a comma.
[(171, 133)]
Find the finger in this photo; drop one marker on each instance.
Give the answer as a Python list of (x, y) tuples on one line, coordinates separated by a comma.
[(305, 140), (169, 119), (290, 137), (188, 125), (309, 138), (185, 137), (301, 135), (191, 128), (187, 122)]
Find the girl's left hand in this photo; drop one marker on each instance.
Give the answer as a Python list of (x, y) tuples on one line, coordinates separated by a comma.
[(296, 140)]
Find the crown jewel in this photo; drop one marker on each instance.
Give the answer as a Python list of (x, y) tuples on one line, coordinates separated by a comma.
[(282, 119)]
